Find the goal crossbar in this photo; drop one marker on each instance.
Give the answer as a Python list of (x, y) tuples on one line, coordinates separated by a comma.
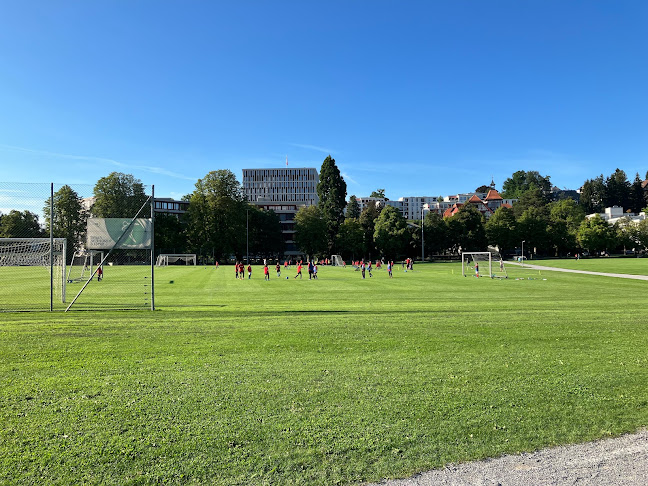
[(477, 257), (165, 258)]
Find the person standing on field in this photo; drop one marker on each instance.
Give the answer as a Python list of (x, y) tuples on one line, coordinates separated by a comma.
[(299, 274), (249, 271), (278, 268), (99, 274), (266, 272), (477, 269), (236, 267)]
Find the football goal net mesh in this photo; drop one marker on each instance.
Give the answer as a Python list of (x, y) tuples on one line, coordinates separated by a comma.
[(479, 264), (336, 260), (34, 268), (82, 265), (166, 259)]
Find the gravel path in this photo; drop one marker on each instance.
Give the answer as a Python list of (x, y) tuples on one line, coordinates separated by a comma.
[(569, 270), (610, 462), (622, 461)]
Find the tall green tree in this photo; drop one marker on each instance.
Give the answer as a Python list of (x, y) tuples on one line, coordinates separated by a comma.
[(501, 229), (595, 234), (378, 193), (310, 231), (521, 181), (565, 218), (20, 224), (617, 190), (69, 219), (216, 217), (390, 233), (353, 208), (533, 227), (119, 196), (368, 222), (531, 198), (266, 238), (638, 199), (170, 234), (592, 195), (332, 191), (435, 233), (466, 229), (351, 239)]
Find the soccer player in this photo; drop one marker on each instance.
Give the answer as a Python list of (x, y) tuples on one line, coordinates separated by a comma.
[(236, 267), (299, 274), (389, 269), (99, 274), (266, 272), (477, 269), (369, 269), (278, 268), (249, 271)]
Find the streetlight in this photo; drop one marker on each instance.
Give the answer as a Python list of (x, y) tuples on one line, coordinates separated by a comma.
[(247, 236), (523, 252)]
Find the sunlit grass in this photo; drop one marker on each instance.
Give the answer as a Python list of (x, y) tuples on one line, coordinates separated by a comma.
[(338, 380)]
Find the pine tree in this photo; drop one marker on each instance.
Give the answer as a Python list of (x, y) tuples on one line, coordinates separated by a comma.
[(331, 191)]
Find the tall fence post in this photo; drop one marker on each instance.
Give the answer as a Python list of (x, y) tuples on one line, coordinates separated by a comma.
[(51, 225), (153, 247)]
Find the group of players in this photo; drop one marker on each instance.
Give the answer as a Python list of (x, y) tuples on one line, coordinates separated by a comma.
[(359, 265)]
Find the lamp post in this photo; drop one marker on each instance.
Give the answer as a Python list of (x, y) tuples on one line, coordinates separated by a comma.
[(247, 236), (422, 236), (523, 252)]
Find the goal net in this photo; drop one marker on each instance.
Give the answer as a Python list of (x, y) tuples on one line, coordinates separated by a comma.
[(83, 264), (478, 263), (166, 259), (336, 260), (16, 254)]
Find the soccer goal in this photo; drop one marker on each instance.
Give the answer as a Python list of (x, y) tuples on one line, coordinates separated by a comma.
[(83, 264), (34, 252), (164, 259), (336, 260), (479, 262)]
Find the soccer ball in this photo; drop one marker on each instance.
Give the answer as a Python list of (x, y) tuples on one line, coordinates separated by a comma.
[(286, 278)]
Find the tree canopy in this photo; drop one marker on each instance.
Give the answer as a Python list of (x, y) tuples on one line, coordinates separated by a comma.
[(69, 220), (119, 195)]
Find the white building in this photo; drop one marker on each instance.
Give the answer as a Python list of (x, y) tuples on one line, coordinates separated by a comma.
[(615, 214)]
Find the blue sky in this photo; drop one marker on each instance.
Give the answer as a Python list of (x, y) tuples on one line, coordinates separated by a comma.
[(419, 98)]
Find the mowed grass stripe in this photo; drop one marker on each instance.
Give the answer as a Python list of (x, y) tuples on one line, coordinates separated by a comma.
[(338, 380)]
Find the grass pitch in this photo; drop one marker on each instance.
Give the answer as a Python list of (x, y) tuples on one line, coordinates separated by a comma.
[(338, 380)]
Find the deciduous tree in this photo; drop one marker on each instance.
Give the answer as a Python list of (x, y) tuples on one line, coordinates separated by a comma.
[(119, 196), (310, 231)]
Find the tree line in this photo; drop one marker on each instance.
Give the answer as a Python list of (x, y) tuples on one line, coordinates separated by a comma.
[(220, 222)]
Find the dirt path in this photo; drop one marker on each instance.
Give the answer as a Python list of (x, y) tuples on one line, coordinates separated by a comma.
[(610, 462)]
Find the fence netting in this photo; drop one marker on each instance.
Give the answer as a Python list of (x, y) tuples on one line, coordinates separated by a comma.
[(108, 268)]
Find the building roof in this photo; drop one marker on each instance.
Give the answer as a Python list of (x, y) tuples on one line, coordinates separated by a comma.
[(493, 195), (506, 205), (474, 199)]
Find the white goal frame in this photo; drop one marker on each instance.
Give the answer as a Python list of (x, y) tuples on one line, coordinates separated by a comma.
[(52, 258), (465, 261), (89, 264), (164, 259), (337, 261)]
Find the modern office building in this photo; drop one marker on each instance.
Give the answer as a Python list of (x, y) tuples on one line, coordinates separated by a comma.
[(284, 191)]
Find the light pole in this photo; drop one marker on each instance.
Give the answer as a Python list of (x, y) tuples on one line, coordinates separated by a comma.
[(523, 252), (247, 236), (422, 236)]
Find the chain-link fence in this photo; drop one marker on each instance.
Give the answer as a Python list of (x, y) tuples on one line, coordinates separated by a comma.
[(71, 246)]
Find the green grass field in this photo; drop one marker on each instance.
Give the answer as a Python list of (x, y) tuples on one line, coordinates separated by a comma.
[(338, 380)]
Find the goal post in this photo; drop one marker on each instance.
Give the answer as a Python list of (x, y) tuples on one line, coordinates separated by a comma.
[(483, 260), (37, 252), (164, 259), (337, 261)]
